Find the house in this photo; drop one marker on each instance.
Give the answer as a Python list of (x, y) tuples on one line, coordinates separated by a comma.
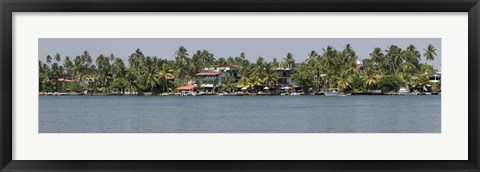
[(436, 77), (284, 77), (210, 81), (211, 78), (186, 90), (229, 71)]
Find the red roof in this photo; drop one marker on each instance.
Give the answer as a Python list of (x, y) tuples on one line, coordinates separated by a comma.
[(186, 87), (209, 73), (64, 80)]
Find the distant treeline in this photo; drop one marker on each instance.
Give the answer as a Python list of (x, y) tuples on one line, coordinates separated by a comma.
[(331, 68)]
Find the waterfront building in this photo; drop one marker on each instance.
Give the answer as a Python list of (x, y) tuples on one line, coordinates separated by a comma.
[(186, 90), (211, 78), (436, 77), (210, 81), (284, 77), (229, 71)]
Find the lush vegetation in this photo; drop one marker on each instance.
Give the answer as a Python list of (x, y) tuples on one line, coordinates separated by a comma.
[(389, 69)]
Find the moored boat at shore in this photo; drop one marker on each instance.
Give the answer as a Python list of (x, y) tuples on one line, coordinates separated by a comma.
[(333, 93), (403, 91)]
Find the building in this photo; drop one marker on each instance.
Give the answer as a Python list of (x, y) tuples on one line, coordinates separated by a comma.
[(284, 77), (436, 77), (210, 81), (359, 63), (186, 90), (229, 71), (211, 78)]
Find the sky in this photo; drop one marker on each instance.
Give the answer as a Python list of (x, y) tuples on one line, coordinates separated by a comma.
[(268, 48)]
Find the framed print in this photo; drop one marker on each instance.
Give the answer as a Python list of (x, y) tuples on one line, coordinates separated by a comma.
[(267, 85)]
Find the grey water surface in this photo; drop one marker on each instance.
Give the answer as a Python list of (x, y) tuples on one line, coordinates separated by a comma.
[(239, 114)]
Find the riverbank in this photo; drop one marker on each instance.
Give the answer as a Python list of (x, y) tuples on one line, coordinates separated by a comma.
[(249, 94)]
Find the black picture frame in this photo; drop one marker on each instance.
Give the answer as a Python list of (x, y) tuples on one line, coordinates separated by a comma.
[(7, 7)]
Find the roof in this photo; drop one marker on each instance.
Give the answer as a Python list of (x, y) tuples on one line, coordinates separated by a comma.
[(64, 80), (186, 87), (209, 73)]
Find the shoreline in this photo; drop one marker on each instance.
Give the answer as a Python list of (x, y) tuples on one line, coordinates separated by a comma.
[(353, 94)]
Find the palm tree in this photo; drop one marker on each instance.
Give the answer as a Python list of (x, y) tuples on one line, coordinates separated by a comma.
[(118, 68), (270, 74), (58, 58), (289, 61), (135, 59), (314, 62), (164, 73), (242, 60), (344, 81), (86, 58), (149, 72), (413, 56), (229, 86), (429, 52), (92, 77), (394, 58), (131, 80), (68, 65), (275, 63), (245, 82), (46, 82), (348, 55), (303, 76), (49, 59), (55, 73), (377, 56), (81, 66), (369, 78), (221, 62), (406, 79), (182, 67), (103, 68)]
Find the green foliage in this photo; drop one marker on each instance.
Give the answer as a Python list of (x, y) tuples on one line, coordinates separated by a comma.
[(437, 85), (390, 82), (229, 86), (322, 71), (74, 86), (119, 83), (303, 76), (357, 83)]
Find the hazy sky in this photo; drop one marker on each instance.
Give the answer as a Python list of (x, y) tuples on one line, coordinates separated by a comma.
[(268, 48)]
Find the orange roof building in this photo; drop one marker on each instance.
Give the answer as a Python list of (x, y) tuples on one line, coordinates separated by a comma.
[(64, 80), (187, 87)]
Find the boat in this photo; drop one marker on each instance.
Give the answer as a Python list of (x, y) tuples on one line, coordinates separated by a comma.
[(233, 94), (187, 93), (403, 91), (333, 93), (345, 94), (297, 93)]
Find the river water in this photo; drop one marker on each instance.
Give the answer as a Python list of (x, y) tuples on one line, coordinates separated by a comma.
[(240, 114)]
